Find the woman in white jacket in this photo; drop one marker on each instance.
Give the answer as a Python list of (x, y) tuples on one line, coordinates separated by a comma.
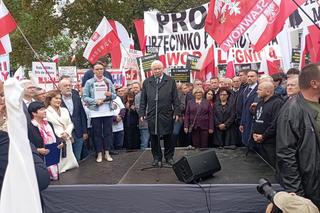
[(63, 126)]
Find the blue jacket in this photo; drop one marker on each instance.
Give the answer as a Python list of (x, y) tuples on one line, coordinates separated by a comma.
[(88, 93)]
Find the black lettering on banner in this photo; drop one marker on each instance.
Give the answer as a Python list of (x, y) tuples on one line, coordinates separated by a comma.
[(153, 41), (316, 14), (189, 39), (162, 20), (181, 40), (179, 20), (197, 40), (172, 42), (165, 43), (192, 19)]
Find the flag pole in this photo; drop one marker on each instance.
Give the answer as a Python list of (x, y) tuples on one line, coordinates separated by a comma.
[(37, 56), (294, 1)]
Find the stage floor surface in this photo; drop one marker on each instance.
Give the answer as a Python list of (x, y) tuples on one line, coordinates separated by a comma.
[(127, 168)]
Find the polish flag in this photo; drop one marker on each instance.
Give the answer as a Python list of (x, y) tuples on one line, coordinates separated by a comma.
[(102, 41), (206, 64), (7, 25), (119, 49), (271, 22), (5, 45), (310, 44), (269, 66), (55, 58), (224, 17), (230, 71)]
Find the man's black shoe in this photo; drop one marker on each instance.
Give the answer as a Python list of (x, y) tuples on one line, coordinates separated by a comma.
[(157, 163), (113, 153), (170, 161)]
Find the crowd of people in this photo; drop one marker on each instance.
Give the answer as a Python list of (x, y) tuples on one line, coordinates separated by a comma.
[(276, 116)]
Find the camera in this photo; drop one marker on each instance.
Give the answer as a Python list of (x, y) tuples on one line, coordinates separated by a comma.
[(266, 189)]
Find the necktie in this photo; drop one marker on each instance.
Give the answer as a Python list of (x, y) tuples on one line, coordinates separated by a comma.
[(249, 91), (158, 80)]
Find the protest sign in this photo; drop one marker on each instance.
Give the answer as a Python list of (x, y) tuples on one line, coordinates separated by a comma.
[(181, 75), (192, 62), (70, 71)]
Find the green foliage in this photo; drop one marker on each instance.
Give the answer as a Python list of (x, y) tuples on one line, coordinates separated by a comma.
[(50, 34)]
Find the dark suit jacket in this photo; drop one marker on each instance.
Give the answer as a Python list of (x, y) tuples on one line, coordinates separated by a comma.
[(26, 112), (35, 136), (204, 117), (168, 103), (78, 117), (247, 114), (41, 170)]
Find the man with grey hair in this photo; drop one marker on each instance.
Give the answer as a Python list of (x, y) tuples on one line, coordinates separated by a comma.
[(28, 93), (160, 94), (71, 100)]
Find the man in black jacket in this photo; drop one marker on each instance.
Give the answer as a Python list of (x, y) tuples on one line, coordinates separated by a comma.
[(160, 94), (298, 140), (263, 128)]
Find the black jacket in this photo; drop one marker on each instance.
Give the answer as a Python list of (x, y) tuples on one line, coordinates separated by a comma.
[(264, 118), (298, 149), (168, 103), (78, 117), (41, 170)]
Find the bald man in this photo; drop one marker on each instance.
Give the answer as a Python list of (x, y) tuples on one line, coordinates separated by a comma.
[(263, 126), (160, 105)]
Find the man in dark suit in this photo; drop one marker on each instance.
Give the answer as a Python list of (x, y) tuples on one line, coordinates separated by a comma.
[(160, 97), (29, 91), (248, 98), (71, 100)]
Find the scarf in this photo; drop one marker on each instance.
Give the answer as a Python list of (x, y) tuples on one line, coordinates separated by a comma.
[(46, 131)]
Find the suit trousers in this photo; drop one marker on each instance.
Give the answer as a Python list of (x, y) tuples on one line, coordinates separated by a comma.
[(102, 130), (156, 148)]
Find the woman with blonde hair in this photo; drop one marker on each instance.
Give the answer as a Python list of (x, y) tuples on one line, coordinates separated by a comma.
[(59, 117), (198, 119)]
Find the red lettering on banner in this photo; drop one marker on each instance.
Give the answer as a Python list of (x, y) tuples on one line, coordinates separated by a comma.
[(220, 60), (239, 56), (184, 57), (173, 58), (248, 55)]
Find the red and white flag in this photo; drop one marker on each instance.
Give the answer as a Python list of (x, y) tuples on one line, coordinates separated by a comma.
[(230, 71), (55, 58), (310, 44), (261, 20), (7, 25), (101, 42), (228, 20), (206, 64), (271, 22)]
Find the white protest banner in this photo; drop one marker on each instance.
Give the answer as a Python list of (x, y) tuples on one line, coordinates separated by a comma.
[(41, 76), (181, 34), (38, 70), (298, 19), (4, 67), (177, 34), (68, 71), (129, 59)]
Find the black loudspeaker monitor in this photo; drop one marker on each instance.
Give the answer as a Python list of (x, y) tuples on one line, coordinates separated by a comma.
[(191, 168)]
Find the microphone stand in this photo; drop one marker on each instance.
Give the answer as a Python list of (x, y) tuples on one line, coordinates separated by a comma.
[(156, 131)]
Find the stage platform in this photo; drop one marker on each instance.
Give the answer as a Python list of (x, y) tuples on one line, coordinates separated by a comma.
[(127, 169), (122, 186)]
